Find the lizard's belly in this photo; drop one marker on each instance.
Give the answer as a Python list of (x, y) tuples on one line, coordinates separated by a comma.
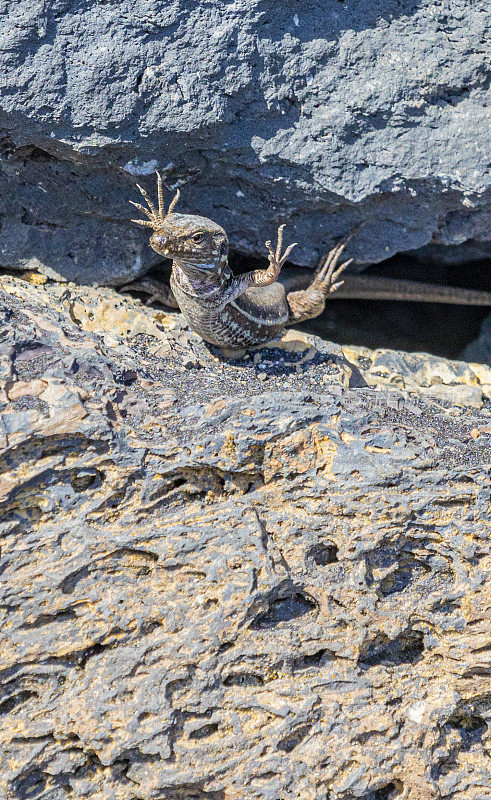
[(256, 316)]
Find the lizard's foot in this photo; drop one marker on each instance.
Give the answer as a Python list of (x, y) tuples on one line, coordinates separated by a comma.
[(264, 277), (156, 218), (156, 290), (310, 302), (327, 273)]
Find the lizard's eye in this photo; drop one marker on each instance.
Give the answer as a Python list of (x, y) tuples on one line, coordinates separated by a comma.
[(198, 237)]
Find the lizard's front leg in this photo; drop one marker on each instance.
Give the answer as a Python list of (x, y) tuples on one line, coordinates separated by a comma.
[(264, 277), (155, 289), (261, 277), (309, 303)]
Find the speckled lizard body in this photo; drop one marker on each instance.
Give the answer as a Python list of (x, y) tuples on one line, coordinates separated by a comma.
[(245, 310)]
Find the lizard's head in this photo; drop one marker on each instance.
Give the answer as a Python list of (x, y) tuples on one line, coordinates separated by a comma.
[(194, 242), (190, 240)]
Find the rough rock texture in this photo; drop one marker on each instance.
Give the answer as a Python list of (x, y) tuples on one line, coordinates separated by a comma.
[(318, 114), (256, 577)]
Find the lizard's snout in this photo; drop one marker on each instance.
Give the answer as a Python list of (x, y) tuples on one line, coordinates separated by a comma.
[(159, 243)]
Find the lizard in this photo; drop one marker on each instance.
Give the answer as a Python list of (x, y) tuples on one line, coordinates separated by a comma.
[(230, 310)]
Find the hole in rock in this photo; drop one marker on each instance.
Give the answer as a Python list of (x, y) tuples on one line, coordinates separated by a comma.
[(409, 570), (391, 569), (88, 653), (404, 649), (11, 703), (471, 727), (64, 615), (206, 730), (112, 502), (290, 742), (323, 554), (176, 484), (193, 792), (443, 768), (83, 479), (388, 792), (137, 555), (195, 483), (283, 610), (224, 647), (446, 607), (69, 583), (315, 660), (243, 679), (31, 784)]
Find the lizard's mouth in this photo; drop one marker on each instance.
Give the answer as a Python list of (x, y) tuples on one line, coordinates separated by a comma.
[(187, 258), (164, 247), (161, 245)]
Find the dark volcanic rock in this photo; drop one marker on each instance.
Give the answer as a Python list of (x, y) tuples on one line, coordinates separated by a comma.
[(480, 350), (258, 577), (316, 114)]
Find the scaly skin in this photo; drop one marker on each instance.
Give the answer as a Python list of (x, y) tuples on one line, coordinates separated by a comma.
[(228, 310), (249, 309)]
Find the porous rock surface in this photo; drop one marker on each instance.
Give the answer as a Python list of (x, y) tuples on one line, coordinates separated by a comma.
[(251, 576), (317, 114)]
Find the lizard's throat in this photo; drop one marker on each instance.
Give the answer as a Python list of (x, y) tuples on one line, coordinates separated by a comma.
[(191, 265), (200, 279)]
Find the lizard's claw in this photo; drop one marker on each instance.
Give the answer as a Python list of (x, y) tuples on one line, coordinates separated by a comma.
[(155, 216), (276, 260), (310, 302), (264, 277), (328, 272)]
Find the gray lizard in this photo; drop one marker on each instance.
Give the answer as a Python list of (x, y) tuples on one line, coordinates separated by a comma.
[(248, 309)]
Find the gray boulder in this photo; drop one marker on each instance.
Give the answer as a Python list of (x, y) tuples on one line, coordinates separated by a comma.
[(320, 115)]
